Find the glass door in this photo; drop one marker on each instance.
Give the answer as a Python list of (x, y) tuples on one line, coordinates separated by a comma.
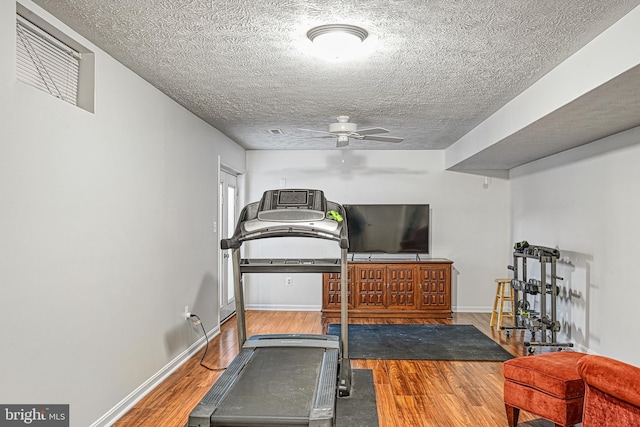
[(228, 214)]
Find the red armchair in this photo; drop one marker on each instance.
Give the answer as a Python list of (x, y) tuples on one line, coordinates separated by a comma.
[(612, 395)]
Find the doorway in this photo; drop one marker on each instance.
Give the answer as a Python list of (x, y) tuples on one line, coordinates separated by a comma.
[(229, 211)]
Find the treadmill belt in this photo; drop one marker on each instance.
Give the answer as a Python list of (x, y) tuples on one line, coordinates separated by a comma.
[(276, 388)]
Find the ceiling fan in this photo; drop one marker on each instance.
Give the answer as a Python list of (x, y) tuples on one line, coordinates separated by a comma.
[(343, 130)]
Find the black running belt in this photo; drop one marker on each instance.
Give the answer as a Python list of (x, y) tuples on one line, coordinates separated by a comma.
[(271, 382)]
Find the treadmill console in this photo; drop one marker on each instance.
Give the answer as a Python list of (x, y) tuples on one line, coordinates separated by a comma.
[(290, 205), (290, 213)]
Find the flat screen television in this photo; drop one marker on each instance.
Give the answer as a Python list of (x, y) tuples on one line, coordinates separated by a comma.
[(388, 229)]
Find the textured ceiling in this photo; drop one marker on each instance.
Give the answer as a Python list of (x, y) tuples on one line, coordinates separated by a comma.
[(440, 68)]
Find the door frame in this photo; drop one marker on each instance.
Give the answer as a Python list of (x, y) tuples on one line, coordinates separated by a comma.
[(224, 310)]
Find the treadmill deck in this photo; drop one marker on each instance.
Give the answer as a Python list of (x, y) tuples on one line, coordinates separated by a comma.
[(275, 380)]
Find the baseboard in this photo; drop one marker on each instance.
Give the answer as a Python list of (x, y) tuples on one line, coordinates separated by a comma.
[(279, 307), (581, 348), (472, 309), (145, 388), (275, 307)]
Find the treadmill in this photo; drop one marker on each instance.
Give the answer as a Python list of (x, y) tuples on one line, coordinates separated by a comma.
[(283, 379)]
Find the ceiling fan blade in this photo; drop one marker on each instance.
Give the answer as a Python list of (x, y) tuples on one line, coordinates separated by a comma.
[(371, 131), (382, 138), (323, 137), (316, 131)]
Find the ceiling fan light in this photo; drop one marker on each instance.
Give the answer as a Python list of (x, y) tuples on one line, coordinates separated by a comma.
[(343, 127), (343, 141), (336, 41)]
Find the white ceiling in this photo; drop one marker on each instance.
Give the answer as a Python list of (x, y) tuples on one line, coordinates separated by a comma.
[(441, 67)]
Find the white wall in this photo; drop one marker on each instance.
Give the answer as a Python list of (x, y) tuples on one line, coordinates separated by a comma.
[(585, 202), (106, 233), (470, 221)]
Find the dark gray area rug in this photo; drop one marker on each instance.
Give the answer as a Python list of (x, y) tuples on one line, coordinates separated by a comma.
[(359, 409), (421, 342)]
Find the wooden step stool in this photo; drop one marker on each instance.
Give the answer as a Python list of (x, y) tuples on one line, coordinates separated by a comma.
[(504, 293)]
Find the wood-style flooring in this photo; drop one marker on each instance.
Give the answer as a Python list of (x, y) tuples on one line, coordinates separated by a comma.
[(409, 393)]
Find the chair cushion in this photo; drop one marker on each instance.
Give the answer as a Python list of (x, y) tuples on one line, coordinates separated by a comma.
[(552, 373)]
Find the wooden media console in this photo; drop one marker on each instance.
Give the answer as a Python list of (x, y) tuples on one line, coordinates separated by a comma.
[(392, 288)]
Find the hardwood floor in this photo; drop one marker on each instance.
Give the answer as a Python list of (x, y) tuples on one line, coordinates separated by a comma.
[(409, 392)]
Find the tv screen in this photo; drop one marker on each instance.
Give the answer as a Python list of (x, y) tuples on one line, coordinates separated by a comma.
[(389, 229)]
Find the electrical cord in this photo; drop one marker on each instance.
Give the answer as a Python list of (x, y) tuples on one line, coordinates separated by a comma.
[(206, 346)]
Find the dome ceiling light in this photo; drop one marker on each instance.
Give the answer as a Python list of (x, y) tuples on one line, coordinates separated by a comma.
[(337, 41)]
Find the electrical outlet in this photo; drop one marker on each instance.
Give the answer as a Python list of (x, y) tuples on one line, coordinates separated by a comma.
[(186, 312), (288, 282)]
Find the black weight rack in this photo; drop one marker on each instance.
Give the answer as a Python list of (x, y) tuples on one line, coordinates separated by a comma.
[(542, 324)]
